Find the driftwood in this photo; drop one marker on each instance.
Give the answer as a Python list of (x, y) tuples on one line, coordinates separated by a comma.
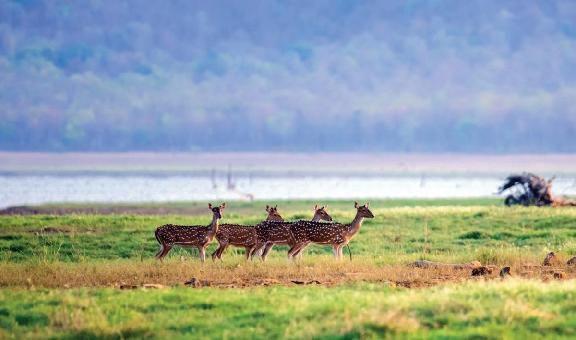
[(551, 259), (481, 271), (153, 286), (534, 190), (196, 283), (458, 266), (143, 286), (505, 272)]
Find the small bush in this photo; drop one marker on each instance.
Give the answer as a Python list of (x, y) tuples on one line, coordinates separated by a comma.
[(473, 235), (32, 319)]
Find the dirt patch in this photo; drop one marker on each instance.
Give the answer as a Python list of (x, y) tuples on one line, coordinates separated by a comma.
[(52, 230), (55, 231), (193, 274)]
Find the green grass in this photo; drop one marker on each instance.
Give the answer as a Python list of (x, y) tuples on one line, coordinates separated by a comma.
[(512, 309), (401, 230)]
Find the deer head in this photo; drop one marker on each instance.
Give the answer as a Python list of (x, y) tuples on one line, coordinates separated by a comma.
[(273, 214), (320, 214), (363, 211), (217, 211)]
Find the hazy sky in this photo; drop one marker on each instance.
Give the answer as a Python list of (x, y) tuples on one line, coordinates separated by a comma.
[(474, 76)]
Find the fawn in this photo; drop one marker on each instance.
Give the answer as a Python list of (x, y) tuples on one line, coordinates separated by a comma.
[(241, 235), (269, 234), (197, 236), (335, 234)]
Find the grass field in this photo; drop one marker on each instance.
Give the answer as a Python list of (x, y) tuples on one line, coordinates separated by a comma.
[(59, 276)]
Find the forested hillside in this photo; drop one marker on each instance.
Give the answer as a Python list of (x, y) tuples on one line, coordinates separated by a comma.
[(473, 76)]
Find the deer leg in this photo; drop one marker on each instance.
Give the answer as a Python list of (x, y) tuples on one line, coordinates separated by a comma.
[(222, 251), (295, 249), (160, 251), (335, 250), (249, 251), (252, 251), (202, 251), (256, 249), (341, 251), (266, 250), (218, 252), (291, 250), (300, 250), (165, 249), (261, 252), (215, 253)]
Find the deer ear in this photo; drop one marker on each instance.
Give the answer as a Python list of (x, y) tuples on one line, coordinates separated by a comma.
[(367, 204), (223, 205), (209, 205), (315, 206), (355, 204), (267, 208), (276, 207)]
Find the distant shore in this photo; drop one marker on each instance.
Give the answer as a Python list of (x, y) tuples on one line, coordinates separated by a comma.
[(274, 163)]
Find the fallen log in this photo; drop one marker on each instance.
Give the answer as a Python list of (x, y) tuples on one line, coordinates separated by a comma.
[(551, 259), (481, 271), (563, 202), (505, 272)]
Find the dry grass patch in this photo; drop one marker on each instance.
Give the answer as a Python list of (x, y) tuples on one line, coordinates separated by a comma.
[(317, 270)]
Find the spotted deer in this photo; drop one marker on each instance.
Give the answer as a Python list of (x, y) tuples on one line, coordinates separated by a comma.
[(335, 234), (270, 234), (197, 236), (241, 235)]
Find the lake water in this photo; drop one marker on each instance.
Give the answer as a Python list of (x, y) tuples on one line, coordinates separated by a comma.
[(38, 189)]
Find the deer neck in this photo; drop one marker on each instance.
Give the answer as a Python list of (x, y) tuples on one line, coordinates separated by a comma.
[(355, 225), (213, 225)]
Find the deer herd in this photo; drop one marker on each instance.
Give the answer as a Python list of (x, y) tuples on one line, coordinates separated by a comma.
[(260, 238)]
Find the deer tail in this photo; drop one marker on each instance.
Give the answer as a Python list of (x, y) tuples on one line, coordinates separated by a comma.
[(156, 235)]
